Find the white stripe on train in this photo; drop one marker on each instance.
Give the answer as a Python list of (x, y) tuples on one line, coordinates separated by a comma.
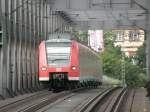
[(44, 78), (47, 78), (73, 78)]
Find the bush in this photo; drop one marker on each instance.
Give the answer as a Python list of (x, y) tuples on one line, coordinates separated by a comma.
[(135, 76)]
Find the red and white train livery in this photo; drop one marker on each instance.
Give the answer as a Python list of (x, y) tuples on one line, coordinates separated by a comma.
[(64, 62)]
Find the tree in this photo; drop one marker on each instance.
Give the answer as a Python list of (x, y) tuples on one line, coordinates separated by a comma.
[(135, 76), (111, 62), (109, 37), (81, 36), (111, 56), (141, 56)]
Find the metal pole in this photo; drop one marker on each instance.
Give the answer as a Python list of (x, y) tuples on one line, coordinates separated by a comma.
[(123, 70), (147, 35)]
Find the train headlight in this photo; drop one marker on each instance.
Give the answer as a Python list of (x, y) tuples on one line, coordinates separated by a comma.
[(73, 68), (44, 68)]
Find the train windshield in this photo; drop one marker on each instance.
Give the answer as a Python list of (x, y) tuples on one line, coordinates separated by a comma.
[(58, 53)]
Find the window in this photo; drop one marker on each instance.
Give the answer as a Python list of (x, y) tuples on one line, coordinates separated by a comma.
[(119, 36), (134, 36), (58, 54)]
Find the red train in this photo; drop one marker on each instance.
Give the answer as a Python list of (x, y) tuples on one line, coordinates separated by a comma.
[(65, 63)]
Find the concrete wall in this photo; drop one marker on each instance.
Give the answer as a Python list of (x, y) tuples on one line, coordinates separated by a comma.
[(23, 24)]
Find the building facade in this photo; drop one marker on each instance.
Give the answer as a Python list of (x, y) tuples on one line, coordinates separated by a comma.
[(129, 41), (95, 40)]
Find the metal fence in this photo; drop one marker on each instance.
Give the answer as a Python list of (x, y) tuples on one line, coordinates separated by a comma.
[(23, 24)]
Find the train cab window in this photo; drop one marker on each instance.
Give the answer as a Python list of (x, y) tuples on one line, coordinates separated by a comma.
[(58, 53)]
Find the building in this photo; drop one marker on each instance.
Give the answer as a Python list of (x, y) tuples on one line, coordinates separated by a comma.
[(95, 40), (129, 40)]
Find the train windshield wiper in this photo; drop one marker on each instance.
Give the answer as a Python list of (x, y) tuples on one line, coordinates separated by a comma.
[(57, 59)]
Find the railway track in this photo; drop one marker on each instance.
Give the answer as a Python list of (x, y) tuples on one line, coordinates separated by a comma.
[(118, 102), (107, 101), (43, 102), (134, 101), (33, 102), (7, 106), (73, 102), (36, 101), (78, 100)]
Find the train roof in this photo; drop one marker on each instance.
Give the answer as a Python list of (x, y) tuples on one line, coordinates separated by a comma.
[(65, 37), (58, 40), (60, 36)]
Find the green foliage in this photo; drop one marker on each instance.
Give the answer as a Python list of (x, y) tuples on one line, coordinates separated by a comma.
[(135, 76), (111, 56), (110, 80), (81, 36), (111, 62), (109, 37), (141, 56)]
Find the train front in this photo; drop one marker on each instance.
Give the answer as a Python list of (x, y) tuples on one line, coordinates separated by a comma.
[(58, 62)]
